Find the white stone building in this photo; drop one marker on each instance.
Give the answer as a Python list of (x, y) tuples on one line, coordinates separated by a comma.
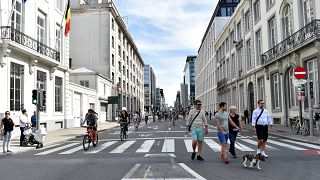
[(101, 41), (254, 57), (34, 53)]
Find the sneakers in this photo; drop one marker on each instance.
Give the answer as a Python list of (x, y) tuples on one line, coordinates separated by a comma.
[(199, 158), (262, 157), (225, 160), (9, 151), (264, 154), (193, 155)]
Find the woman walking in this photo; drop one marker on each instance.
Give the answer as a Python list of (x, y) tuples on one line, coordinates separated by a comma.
[(234, 127), (7, 130)]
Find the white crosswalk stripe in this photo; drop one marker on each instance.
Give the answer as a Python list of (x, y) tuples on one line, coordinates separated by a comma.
[(56, 149), (100, 148), (286, 145), (123, 147), (250, 141), (168, 145), (146, 146)]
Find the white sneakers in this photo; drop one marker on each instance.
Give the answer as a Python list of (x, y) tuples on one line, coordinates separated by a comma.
[(264, 154)]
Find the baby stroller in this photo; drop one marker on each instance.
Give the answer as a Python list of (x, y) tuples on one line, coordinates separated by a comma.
[(35, 137)]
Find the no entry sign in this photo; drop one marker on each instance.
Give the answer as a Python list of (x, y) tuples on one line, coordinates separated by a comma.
[(300, 72)]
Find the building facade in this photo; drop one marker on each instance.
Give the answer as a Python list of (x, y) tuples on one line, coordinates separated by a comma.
[(34, 54), (101, 41), (149, 89), (254, 57), (188, 94)]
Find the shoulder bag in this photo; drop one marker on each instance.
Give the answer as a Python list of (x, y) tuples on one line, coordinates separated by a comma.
[(259, 116), (193, 120)]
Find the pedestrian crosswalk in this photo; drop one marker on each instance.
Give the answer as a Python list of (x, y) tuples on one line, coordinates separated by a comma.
[(141, 146)]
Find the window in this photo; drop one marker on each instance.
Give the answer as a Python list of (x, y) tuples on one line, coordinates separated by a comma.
[(58, 94), (58, 38), (292, 90), (233, 66), (227, 45), (41, 27), (239, 36), (112, 41), (247, 20), (232, 38), (123, 55), (306, 12), (241, 91), (124, 70), (16, 18), (256, 9), (119, 34), (270, 3), (119, 50), (112, 58), (41, 80), (16, 87), (112, 24), (250, 64), (313, 75), (239, 54), (275, 80), (119, 63), (58, 4), (228, 69), (286, 22), (84, 83), (112, 77), (258, 46), (272, 32), (261, 88)]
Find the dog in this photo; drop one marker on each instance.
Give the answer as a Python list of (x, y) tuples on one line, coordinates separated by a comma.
[(254, 160)]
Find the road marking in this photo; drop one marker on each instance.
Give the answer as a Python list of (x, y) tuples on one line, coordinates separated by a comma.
[(286, 145), (56, 149), (188, 143), (147, 172), (213, 145), (189, 170), (155, 138), (130, 173), (242, 147), (72, 150), (160, 155), (303, 144), (100, 148), (123, 147), (168, 145), (146, 146), (255, 143)]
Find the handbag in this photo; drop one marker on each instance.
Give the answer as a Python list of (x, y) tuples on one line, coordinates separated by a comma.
[(193, 120)]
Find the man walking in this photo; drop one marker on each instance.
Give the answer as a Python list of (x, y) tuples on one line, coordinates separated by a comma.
[(197, 122), (221, 119), (246, 116), (260, 122)]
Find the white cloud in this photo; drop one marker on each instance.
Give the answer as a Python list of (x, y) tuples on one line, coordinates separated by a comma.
[(166, 31)]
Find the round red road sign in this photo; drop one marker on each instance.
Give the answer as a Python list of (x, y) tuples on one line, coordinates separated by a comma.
[(299, 72)]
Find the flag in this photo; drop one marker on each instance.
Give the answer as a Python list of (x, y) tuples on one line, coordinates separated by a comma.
[(24, 1), (67, 18)]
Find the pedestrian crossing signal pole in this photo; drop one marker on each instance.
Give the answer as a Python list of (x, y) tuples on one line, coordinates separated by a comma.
[(310, 99)]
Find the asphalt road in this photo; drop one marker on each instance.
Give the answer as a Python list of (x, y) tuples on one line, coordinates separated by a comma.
[(159, 151)]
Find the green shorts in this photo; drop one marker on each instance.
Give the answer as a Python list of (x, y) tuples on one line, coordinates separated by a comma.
[(197, 134)]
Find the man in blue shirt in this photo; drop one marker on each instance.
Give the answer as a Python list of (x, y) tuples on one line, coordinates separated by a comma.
[(260, 122), (34, 119)]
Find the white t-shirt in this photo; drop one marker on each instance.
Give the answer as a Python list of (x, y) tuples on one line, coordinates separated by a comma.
[(23, 119)]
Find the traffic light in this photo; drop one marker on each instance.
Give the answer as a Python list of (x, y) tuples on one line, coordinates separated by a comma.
[(43, 98), (35, 96), (311, 89)]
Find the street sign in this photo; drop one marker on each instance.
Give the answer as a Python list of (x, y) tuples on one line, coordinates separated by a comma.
[(298, 82), (299, 72), (301, 92), (113, 99)]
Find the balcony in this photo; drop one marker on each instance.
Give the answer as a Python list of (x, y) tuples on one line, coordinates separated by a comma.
[(8, 33), (302, 37), (222, 83)]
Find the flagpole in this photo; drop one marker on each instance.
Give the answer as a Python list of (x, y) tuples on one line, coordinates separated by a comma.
[(13, 7)]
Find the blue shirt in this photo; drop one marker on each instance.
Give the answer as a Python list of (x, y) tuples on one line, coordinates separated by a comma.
[(33, 119), (264, 119)]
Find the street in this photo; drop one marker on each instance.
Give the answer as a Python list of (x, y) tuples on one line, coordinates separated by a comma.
[(159, 150)]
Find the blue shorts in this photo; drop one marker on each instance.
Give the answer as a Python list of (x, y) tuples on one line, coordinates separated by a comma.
[(197, 134), (223, 138)]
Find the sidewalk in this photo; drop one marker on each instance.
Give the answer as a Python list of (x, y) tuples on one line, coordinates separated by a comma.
[(57, 136), (286, 132)]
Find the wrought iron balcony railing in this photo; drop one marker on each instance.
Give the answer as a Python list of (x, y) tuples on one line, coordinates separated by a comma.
[(222, 83), (14, 35), (300, 38)]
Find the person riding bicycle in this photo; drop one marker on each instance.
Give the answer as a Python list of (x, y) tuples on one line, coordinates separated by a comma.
[(91, 120)]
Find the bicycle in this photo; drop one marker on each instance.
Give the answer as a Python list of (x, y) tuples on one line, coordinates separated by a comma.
[(123, 130), (136, 123), (300, 127), (89, 138)]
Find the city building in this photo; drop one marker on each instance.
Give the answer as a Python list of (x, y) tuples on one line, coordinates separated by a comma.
[(255, 56), (188, 87), (34, 54), (101, 42), (149, 89)]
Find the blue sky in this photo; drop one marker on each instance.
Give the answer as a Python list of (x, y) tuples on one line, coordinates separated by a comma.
[(166, 32)]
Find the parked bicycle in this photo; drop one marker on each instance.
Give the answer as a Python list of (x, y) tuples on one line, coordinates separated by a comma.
[(123, 130), (90, 137), (300, 127)]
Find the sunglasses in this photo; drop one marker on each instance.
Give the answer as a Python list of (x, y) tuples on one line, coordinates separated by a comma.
[(199, 104), (7, 114)]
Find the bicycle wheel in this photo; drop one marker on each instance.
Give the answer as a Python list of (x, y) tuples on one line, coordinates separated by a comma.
[(296, 129), (121, 134), (95, 142), (306, 129), (86, 142)]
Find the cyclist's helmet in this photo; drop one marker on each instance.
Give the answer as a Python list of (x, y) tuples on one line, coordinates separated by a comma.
[(124, 109)]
